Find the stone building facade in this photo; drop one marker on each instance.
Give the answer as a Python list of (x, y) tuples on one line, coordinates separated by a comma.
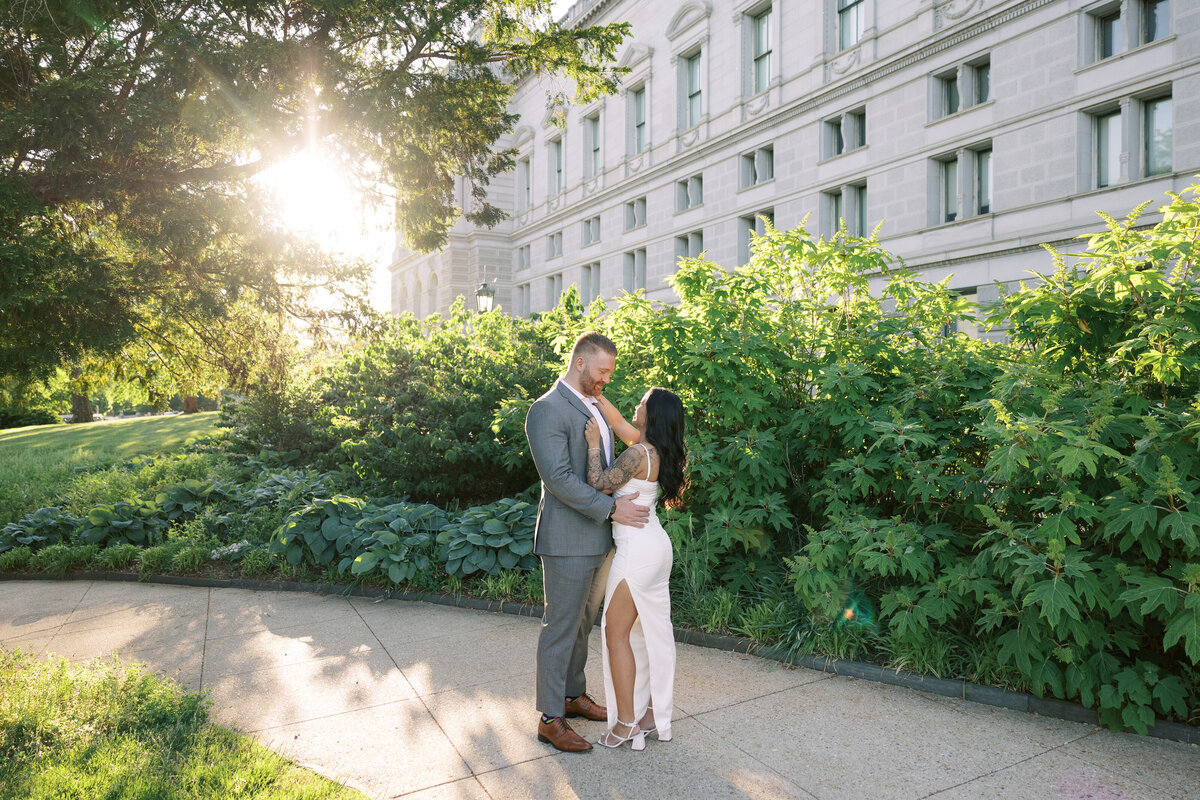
[(972, 130)]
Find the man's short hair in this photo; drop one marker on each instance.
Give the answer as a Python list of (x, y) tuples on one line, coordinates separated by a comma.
[(590, 343)]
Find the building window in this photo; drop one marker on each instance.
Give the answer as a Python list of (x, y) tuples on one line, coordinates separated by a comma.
[(554, 289), (554, 245), (760, 53), (556, 166), (522, 300), (635, 213), (589, 286), (749, 227), (846, 205), (1157, 135), (850, 22), (635, 270), (947, 93), (689, 245), (524, 259), (846, 132), (963, 184), (591, 230), (758, 166), (1107, 139), (637, 120), (592, 162), (1107, 34), (691, 91), (981, 81), (524, 187), (949, 189), (689, 193), (966, 85), (1155, 20), (983, 181)]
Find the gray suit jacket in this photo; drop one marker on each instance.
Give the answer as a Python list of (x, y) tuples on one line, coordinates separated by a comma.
[(572, 517)]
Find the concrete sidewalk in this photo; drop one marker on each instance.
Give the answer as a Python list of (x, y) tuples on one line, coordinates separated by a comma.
[(433, 702)]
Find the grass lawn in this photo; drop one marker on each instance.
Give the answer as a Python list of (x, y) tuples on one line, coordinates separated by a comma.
[(107, 730), (37, 462)]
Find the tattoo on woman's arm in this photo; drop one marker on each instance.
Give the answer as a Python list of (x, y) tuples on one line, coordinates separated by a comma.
[(616, 476)]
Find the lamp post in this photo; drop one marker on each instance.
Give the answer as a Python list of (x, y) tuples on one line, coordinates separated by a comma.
[(484, 296)]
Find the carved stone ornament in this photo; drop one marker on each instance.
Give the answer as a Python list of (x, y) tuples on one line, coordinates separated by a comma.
[(591, 185), (688, 138), (756, 105), (556, 202), (951, 12), (844, 62), (523, 218), (636, 164)]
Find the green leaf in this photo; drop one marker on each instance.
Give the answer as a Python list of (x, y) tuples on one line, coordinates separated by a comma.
[(1152, 592), (1055, 598), (1185, 627), (494, 526)]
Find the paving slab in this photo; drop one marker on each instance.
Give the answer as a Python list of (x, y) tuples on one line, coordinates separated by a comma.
[(300, 692), (431, 702)]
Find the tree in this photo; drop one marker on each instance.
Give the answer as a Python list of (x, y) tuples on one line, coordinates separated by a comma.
[(131, 133)]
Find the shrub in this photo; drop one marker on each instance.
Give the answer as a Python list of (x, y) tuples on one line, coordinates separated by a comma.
[(182, 501), (134, 522), (322, 532), (13, 417), (46, 526), (1035, 499), (489, 539), (399, 542)]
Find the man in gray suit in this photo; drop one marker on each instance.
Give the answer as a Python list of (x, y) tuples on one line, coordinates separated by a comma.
[(573, 537)]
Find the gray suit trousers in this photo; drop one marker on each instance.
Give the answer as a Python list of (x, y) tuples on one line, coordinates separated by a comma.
[(574, 591)]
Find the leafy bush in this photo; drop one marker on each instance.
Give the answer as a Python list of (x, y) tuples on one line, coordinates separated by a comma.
[(490, 538), (322, 532), (183, 500), (1032, 504), (399, 542), (11, 417), (134, 522), (409, 413), (46, 526)]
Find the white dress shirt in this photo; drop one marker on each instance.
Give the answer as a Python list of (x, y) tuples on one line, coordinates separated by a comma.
[(594, 406)]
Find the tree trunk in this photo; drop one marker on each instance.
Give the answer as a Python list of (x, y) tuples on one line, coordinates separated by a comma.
[(190, 404), (81, 408)]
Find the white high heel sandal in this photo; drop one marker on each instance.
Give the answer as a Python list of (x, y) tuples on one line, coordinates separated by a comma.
[(636, 736)]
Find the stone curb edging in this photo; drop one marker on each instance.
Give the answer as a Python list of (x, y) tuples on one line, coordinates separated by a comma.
[(976, 693)]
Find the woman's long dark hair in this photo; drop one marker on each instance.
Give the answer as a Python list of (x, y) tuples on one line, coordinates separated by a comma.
[(664, 430)]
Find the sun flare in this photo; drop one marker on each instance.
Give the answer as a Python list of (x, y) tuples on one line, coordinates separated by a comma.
[(316, 199)]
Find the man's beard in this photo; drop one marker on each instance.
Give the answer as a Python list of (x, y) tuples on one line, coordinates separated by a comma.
[(589, 387)]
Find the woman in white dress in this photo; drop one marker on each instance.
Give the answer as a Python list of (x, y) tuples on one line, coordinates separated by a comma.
[(639, 640)]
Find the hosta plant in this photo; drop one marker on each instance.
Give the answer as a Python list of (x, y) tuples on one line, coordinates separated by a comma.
[(487, 539), (42, 528)]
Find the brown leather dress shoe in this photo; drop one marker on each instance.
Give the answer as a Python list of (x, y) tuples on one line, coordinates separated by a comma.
[(558, 733), (584, 706)]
